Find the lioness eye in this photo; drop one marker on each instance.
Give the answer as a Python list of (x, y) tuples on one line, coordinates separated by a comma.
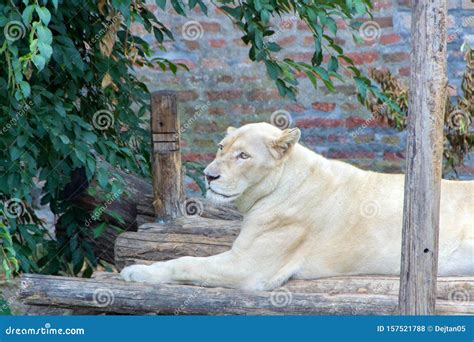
[(220, 147), (244, 155)]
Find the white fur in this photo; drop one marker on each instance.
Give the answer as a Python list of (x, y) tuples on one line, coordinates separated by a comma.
[(309, 217)]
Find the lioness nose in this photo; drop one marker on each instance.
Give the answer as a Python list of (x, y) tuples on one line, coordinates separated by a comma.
[(211, 178)]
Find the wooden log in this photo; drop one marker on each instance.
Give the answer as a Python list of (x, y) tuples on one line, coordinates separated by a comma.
[(188, 236), (456, 289), (119, 297), (428, 81), (191, 207), (166, 155)]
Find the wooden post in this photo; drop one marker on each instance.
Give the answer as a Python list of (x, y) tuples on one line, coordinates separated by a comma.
[(428, 80), (166, 156)]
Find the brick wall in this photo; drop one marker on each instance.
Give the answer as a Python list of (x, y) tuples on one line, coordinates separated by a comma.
[(225, 88)]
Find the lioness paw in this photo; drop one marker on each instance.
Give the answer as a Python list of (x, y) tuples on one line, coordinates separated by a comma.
[(157, 273), (139, 273)]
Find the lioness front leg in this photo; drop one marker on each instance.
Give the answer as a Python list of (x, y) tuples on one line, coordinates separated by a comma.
[(255, 271)]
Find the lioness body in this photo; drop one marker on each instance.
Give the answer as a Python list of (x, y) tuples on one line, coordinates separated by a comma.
[(309, 217)]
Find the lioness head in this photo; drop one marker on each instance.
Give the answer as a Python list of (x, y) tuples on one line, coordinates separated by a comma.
[(245, 158)]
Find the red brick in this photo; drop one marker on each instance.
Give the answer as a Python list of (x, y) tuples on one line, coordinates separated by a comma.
[(319, 122), (191, 44), (396, 57), (225, 79), (363, 57), (248, 78), (286, 41), (350, 106), (382, 4), (390, 39), (224, 95), (187, 95), (341, 24), (213, 63), (382, 21), (211, 27), (405, 71), (300, 56), (351, 154), (315, 140), (242, 109), (193, 187), (295, 107), (308, 40), (356, 121), (465, 169), (323, 106), (302, 26), (337, 138), (217, 43), (393, 156), (263, 95), (216, 111), (406, 3), (199, 157)]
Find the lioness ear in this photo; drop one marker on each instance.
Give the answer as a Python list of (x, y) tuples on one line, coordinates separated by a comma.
[(288, 138), (230, 129)]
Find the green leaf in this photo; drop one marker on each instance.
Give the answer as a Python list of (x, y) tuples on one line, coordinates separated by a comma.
[(45, 50), (64, 139), (15, 153), (25, 88), (333, 64), (44, 35), (103, 177), (99, 230), (44, 14), (27, 14), (161, 4), (178, 7), (39, 61)]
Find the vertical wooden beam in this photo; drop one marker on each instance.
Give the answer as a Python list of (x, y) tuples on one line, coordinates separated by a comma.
[(166, 155), (428, 81)]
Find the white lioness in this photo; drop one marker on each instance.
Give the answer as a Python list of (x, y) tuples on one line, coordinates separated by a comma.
[(309, 217)]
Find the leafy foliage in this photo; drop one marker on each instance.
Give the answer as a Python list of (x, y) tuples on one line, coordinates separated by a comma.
[(458, 139), (68, 65)]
